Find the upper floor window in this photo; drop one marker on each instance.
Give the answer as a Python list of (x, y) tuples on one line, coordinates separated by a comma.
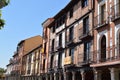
[(102, 13), (60, 39), (84, 3), (86, 50), (86, 25), (51, 61), (29, 58), (60, 21), (53, 29), (45, 45), (60, 59), (71, 33), (71, 51), (44, 64), (53, 42), (71, 13)]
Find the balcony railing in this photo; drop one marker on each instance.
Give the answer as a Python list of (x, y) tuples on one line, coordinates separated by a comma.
[(52, 49), (59, 45), (84, 60), (115, 11), (83, 34), (113, 50), (101, 19), (70, 42)]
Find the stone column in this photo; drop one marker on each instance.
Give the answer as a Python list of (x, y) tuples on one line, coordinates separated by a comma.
[(114, 74), (60, 76), (46, 76), (55, 75), (97, 75), (83, 74), (50, 76), (73, 75), (65, 75)]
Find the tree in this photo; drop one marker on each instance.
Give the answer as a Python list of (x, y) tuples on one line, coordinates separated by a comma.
[(2, 71), (3, 3)]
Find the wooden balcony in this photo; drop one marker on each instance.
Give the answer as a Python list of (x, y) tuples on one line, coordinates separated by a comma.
[(115, 12), (101, 20)]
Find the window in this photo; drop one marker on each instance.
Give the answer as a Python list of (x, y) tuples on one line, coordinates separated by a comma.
[(86, 25), (118, 42), (45, 47), (53, 29), (44, 64), (71, 33), (29, 58), (84, 3), (103, 14), (51, 61), (71, 13), (60, 60), (71, 53), (60, 21), (60, 39), (103, 48), (53, 42), (86, 51)]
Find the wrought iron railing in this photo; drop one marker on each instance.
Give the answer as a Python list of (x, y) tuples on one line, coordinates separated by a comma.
[(115, 11), (114, 51), (101, 19), (83, 34), (84, 59)]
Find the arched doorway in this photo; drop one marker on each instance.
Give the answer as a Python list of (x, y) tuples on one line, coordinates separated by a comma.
[(105, 75), (69, 76), (103, 48), (89, 75), (78, 76)]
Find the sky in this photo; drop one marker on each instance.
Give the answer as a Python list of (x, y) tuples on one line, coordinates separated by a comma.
[(23, 20)]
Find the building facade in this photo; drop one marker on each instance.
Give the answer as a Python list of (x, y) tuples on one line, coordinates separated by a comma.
[(81, 42), (9, 67), (33, 61), (71, 42), (106, 40), (19, 59)]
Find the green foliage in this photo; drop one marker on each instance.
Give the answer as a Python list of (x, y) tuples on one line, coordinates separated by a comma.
[(2, 71), (4, 3), (2, 23)]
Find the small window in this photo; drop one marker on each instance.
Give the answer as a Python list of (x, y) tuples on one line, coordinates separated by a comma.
[(71, 13), (44, 64), (53, 29), (53, 42), (86, 25), (60, 21), (60, 39), (71, 33), (84, 3), (71, 52)]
